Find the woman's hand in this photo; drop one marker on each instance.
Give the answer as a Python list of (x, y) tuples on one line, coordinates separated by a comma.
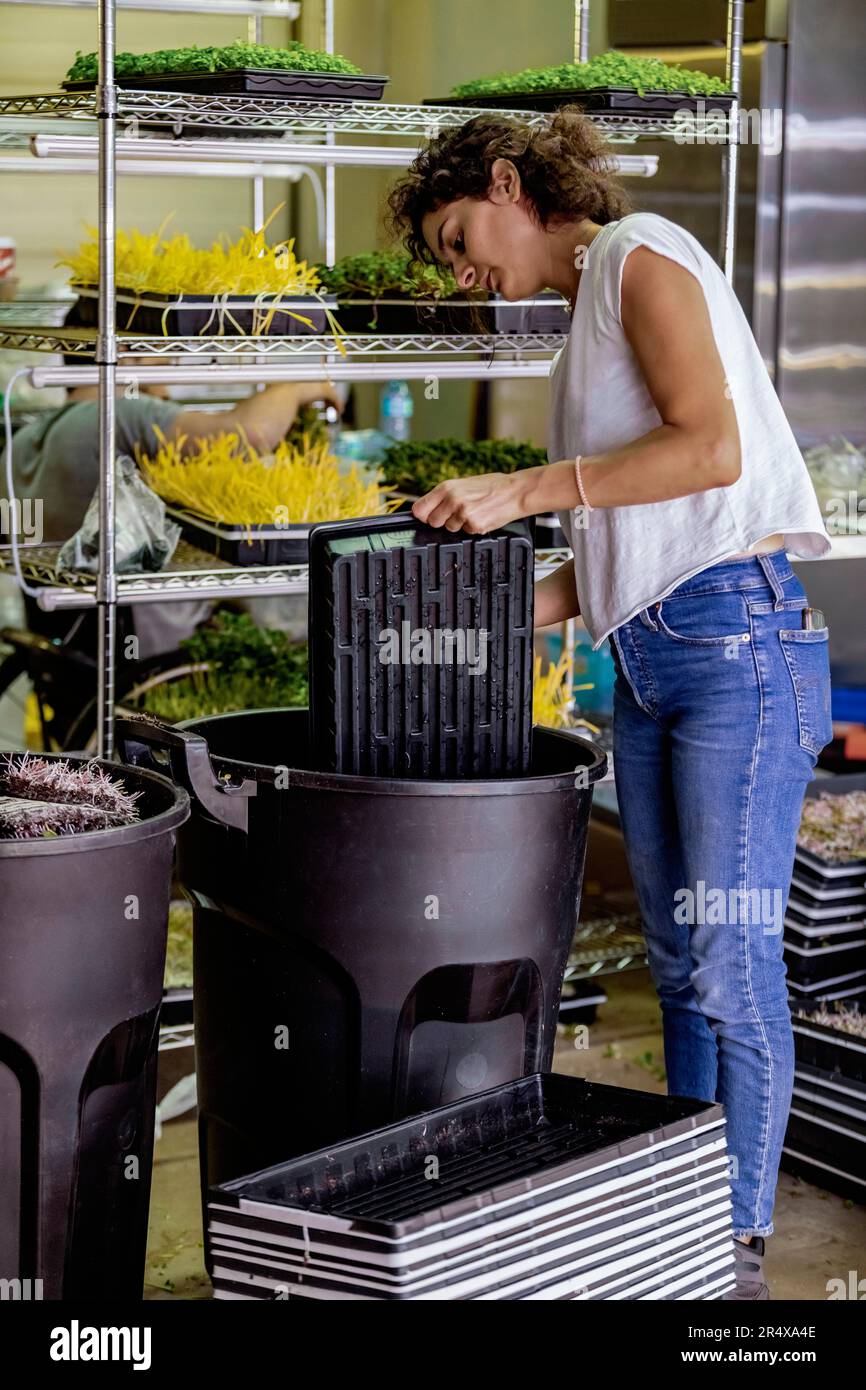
[(308, 392), (475, 505)]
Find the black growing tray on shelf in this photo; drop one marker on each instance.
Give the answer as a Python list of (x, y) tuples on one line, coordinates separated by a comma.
[(258, 544), (195, 315), (245, 545), (240, 545), (825, 873), (815, 1167), (615, 101), (846, 987), (402, 719), (814, 869), (842, 914), (395, 314), (831, 1088), (814, 964), (822, 1132), (829, 1049), (819, 893), (254, 82)]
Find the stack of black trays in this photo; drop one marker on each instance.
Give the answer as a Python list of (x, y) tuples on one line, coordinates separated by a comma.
[(547, 1188), (826, 1137), (825, 929)]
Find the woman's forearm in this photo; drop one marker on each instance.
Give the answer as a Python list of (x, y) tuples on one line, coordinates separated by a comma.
[(666, 463), (556, 597)]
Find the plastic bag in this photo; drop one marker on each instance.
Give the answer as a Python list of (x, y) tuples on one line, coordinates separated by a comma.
[(838, 472), (144, 539)]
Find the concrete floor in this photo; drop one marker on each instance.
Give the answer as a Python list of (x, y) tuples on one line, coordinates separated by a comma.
[(818, 1235)]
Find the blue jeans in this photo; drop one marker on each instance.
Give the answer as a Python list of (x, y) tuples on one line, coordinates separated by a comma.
[(721, 706)]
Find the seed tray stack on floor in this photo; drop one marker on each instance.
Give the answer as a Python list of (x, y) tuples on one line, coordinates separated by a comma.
[(547, 1188), (825, 928), (826, 1136)]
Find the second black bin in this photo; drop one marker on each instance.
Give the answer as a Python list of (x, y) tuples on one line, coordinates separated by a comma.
[(365, 948)]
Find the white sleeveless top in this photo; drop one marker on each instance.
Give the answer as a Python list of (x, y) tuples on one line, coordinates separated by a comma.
[(626, 558)]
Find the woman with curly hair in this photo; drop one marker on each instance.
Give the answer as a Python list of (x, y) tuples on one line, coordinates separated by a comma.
[(681, 489)]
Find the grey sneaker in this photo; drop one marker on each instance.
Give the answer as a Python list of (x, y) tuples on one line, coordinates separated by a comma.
[(749, 1271)]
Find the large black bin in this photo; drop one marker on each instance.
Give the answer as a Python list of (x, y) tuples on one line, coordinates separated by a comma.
[(83, 922), (365, 947)]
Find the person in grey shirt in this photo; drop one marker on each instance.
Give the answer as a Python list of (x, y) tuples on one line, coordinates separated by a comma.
[(56, 460)]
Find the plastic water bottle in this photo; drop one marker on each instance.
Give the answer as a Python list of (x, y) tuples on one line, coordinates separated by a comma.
[(395, 409)]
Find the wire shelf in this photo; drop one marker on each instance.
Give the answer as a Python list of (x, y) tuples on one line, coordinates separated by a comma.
[(173, 1036), (177, 110), (607, 945), (191, 573), (81, 342)]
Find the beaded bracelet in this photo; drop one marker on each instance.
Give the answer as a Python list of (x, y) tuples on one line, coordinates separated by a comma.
[(580, 489)]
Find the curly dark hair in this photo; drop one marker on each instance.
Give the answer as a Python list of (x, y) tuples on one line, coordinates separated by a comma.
[(564, 166)]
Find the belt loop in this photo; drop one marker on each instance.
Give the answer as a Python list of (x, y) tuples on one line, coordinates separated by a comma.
[(766, 563), (647, 621)]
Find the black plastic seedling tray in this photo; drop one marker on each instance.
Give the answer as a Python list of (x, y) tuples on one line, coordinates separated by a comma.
[(620, 101), (255, 82), (197, 315), (649, 1176), (493, 1147), (258, 544), (825, 874), (844, 911), (655, 1169), (391, 694), (832, 1090), (495, 1242), (492, 1232), (828, 1049), (635, 1258), (804, 932), (815, 964), (694, 1263), (805, 1158), (844, 987), (824, 1133), (394, 315), (246, 545), (821, 894), (550, 1183)]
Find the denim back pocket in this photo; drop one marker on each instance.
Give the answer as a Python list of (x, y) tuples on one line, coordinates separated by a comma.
[(808, 657)]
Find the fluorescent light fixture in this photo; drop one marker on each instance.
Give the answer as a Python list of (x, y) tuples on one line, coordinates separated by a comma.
[(636, 166), (206, 153), (300, 368), (23, 164), (278, 9)]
